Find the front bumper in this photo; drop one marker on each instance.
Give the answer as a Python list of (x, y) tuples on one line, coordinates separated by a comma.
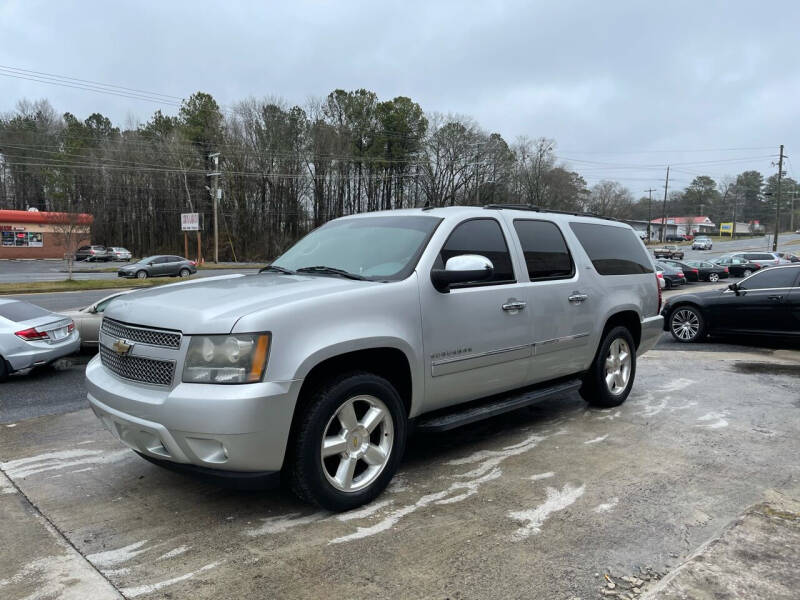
[(651, 332), (226, 427), (24, 354)]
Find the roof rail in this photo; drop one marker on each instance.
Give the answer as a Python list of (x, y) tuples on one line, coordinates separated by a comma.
[(534, 208)]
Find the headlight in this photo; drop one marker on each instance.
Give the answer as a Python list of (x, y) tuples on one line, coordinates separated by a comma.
[(226, 358)]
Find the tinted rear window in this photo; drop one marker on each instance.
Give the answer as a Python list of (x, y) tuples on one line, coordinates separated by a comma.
[(546, 253), (613, 250), (759, 256), (22, 311)]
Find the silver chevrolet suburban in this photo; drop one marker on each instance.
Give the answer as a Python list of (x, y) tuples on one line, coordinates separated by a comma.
[(320, 365)]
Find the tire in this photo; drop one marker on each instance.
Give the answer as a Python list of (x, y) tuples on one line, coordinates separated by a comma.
[(3, 369), (667, 284), (687, 324), (713, 277), (184, 273), (597, 390), (141, 274), (747, 273), (325, 481)]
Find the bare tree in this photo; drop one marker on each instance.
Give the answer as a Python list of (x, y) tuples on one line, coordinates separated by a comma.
[(70, 229)]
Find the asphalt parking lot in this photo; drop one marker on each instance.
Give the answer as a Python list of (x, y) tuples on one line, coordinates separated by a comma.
[(541, 503)]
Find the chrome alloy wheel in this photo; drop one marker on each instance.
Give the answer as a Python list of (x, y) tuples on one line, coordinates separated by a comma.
[(713, 277), (685, 324), (357, 443), (618, 366)]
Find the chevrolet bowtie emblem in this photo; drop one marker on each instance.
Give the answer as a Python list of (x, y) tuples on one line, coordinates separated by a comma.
[(121, 347)]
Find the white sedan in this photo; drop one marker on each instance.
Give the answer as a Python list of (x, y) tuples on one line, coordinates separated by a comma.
[(88, 319)]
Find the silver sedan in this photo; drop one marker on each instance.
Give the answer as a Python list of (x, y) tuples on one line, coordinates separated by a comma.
[(31, 336)]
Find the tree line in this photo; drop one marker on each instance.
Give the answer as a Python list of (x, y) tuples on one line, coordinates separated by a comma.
[(284, 170)]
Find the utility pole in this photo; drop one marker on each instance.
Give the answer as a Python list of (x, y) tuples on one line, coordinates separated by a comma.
[(649, 212), (215, 197), (664, 210), (735, 202), (778, 203)]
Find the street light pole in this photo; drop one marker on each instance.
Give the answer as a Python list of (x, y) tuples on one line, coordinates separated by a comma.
[(778, 203), (649, 212)]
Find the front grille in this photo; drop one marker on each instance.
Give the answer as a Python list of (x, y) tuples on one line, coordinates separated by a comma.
[(143, 335), (136, 368)]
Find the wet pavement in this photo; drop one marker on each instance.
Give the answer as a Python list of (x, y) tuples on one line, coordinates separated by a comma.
[(539, 503)]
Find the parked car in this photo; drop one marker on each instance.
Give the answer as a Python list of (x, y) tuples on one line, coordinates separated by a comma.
[(691, 273), (702, 243), (766, 303), (87, 319), (668, 252), (762, 259), (31, 336), (317, 365), (708, 271), (788, 256), (674, 238), (117, 253), (159, 266), (91, 253), (673, 276), (736, 265)]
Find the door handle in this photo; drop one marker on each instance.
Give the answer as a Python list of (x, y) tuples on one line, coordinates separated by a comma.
[(774, 297), (578, 298), (514, 305)]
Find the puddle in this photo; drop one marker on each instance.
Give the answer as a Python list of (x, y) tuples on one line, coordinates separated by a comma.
[(762, 368)]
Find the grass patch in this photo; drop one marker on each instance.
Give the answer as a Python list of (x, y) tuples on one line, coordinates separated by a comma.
[(33, 287)]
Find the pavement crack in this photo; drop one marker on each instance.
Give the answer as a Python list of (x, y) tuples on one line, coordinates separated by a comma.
[(50, 524)]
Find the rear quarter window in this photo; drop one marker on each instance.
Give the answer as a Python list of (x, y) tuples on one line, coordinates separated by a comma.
[(612, 250)]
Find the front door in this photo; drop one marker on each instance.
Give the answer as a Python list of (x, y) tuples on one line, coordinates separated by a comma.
[(477, 335), (761, 305)]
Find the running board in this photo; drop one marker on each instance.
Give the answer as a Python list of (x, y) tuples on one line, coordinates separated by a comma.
[(485, 410)]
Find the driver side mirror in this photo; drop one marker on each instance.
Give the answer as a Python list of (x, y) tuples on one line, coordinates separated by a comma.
[(462, 269), (734, 287)]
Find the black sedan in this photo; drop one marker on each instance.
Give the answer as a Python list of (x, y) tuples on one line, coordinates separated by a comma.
[(159, 266), (707, 271), (737, 266), (673, 276), (767, 303), (691, 273)]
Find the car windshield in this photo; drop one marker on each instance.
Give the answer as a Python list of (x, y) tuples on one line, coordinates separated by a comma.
[(381, 248)]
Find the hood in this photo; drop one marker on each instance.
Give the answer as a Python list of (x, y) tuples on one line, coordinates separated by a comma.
[(214, 304)]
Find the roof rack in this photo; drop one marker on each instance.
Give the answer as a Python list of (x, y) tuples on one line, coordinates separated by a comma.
[(534, 208)]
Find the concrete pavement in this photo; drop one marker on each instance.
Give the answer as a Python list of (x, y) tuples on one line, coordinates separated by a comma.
[(535, 504)]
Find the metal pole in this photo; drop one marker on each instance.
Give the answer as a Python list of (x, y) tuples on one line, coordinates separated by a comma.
[(649, 213), (664, 210), (778, 203), (214, 197)]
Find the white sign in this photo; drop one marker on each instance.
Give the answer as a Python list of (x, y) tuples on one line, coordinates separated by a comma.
[(190, 221)]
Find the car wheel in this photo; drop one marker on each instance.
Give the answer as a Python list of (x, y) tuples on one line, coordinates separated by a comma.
[(184, 273), (141, 274), (610, 378), (747, 273), (349, 442), (687, 324), (667, 284), (713, 277)]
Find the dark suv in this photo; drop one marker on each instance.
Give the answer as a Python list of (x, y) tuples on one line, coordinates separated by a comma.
[(159, 266)]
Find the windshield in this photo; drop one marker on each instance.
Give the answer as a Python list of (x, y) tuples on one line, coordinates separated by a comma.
[(378, 248)]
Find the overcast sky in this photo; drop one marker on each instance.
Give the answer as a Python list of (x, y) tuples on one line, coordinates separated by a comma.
[(618, 83)]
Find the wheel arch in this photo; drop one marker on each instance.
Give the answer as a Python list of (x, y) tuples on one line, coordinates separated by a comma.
[(629, 319)]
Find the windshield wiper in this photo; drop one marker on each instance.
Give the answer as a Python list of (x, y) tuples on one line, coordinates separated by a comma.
[(276, 269), (332, 271)]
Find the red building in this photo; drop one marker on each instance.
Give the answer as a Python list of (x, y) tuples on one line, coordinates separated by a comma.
[(34, 234)]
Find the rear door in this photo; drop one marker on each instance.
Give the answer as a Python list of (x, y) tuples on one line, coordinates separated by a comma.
[(560, 309)]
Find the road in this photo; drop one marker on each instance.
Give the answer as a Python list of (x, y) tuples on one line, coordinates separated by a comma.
[(539, 503), (17, 271)]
